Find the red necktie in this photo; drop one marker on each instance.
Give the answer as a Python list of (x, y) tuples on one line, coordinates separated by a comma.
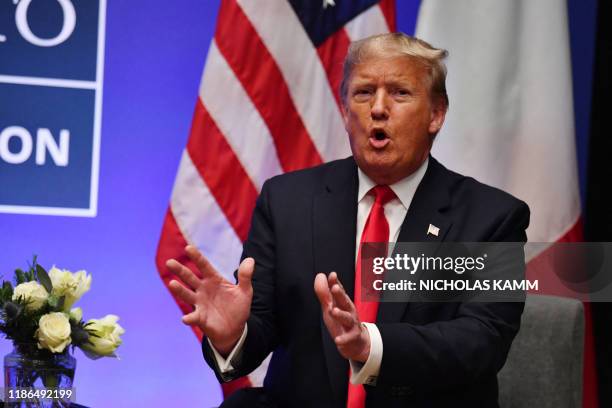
[(376, 230)]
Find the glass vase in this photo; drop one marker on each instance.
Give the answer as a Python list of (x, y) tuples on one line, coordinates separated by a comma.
[(38, 378)]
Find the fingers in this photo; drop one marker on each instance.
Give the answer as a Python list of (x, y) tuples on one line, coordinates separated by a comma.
[(192, 318), (333, 280), (341, 299), (346, 338), (342, 320), (346, 319), (182, 292), (201, 262), (245, 273), (356, 337), (329, 290), (321, 289), (183, 272), (339, 294)]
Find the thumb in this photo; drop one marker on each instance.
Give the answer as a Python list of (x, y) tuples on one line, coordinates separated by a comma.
[(245, 273), (321, 288)]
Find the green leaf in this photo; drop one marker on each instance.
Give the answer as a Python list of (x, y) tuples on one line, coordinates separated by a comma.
[(60, 303), (6, 292), (33, 265), (20, 276), (43, 278)]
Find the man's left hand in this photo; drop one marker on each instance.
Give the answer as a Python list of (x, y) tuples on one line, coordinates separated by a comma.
[(340, 317)]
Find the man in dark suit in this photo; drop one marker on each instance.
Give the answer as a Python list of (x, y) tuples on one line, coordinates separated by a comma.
[(309, 223)]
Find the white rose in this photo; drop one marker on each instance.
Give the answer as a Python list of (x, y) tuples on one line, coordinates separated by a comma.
[(104, 337), (53, 332), (70, 285), (32, 293)]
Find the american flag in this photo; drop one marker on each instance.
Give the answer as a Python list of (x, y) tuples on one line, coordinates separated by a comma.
[(268, 103)]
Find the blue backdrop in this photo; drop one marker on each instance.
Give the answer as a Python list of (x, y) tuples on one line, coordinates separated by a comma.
[(154, 55)]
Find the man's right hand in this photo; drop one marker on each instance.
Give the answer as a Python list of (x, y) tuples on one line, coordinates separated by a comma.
[(221, 308)]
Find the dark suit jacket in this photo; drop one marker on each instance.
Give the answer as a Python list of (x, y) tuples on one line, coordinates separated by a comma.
[(434, 354)]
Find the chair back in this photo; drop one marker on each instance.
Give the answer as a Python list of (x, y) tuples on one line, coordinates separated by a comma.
[(544, 366)]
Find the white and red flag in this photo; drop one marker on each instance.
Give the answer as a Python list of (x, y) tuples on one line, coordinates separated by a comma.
[(512, 123), (268, 103)]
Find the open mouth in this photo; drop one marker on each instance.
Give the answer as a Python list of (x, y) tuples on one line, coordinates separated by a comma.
[(378, 138), (379, 134)]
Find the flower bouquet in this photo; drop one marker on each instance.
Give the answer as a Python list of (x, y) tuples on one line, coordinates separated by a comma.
[(37, 314)]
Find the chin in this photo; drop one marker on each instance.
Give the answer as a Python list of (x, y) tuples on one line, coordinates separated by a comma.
[(380, 161), (379, 172)]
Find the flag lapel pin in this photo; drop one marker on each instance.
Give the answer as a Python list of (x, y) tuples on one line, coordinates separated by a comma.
[(433, 230)]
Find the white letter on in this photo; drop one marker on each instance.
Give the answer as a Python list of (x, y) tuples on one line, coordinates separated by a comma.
[(26, 144), (21, 20), (377, 269), (45, 142)]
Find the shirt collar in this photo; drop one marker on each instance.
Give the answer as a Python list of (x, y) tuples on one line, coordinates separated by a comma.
[(403, 189)]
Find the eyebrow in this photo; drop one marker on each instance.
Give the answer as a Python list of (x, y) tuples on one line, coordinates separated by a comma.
[(363, 81)]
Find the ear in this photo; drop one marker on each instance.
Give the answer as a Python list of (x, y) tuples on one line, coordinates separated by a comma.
[(438, 113)]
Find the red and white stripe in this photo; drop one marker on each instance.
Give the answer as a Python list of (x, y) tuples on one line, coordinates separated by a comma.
[(268, 103)]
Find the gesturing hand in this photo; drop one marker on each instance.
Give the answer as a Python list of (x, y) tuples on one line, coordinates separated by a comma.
[(341, 319), (221, 308)]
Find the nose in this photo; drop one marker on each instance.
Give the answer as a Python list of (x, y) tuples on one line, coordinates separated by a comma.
[(380, 108)]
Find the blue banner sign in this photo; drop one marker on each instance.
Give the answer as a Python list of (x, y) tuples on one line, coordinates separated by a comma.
[(51, 66)]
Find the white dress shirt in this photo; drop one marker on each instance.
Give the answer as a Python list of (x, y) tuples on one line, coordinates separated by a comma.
[(395, 212)]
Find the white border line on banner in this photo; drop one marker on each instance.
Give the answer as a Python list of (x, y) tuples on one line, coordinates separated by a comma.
[(22, 209), (55, 82), (95, 153)]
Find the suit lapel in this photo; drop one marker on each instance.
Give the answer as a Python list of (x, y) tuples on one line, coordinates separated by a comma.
[(334, 230), (427, 208)]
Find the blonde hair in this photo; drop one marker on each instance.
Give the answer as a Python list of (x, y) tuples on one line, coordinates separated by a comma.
[(398, 44)]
